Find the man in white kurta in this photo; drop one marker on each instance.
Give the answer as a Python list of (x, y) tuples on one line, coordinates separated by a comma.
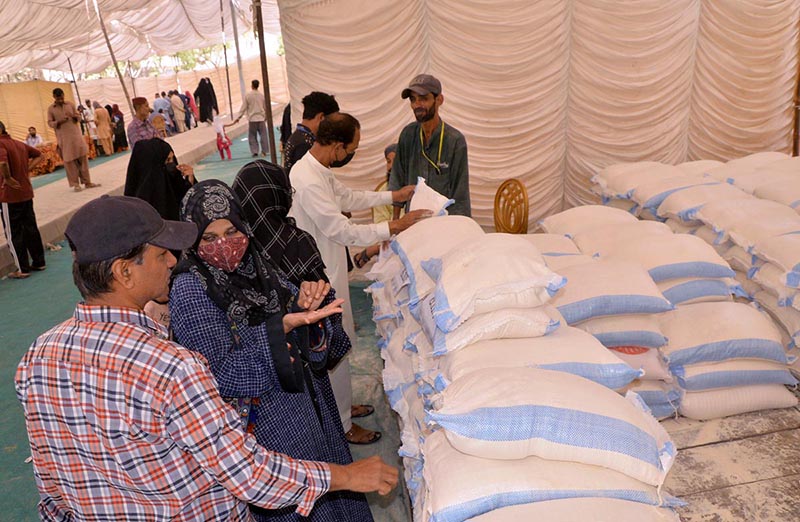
[(317, 206)]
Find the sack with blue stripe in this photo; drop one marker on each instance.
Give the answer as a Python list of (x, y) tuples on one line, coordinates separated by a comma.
[(493, 272), (662, 398), (607, 288), (626, 330), (784, 252), (671, 256), (572, 509), (461, 486), (432, 237), (712, 332), (512, 413), (567, 350), (735, 372), (687, 290), (552, 244)]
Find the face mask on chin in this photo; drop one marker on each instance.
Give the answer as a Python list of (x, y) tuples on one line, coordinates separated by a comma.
[(224, 253)]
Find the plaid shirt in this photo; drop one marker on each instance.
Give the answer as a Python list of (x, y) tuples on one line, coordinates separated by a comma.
[(140, 130), (125, 425)]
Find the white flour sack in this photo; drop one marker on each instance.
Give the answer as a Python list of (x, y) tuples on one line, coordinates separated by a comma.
[(722, 402), (513, 413), (626, 330), (734, 168), (493, 272), (772, 279), (559, 263), (785, 191), (552, 244), (747, 221), (607, 237), (688, 290), (567, 350), (574, 220), (709, 332), (737, 372), (650, 194), (684, 204), (787, 317), (511, 323), (425, 198), (648, 360), (607, 288), (784, 252), (671, 256), (428, 238), (636, 168), (627, 205), (621, 182), (740, 259), (461, 486), (662, 398), (700, 167), (749, 180), (576, 509), (679, 227)]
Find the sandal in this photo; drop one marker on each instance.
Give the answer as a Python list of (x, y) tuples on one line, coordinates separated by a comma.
[(361, 259), (363, 409), (374, 436), (18, 275)]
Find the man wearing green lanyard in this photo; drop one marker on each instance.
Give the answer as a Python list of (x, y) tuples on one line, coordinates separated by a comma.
[(431, 149)]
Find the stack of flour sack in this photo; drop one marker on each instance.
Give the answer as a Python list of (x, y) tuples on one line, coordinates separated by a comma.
[(506, 411), (747, 209), (715, 357)]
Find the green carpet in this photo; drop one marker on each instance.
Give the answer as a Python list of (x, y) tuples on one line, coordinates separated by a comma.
[(33, 305), (60, 173)]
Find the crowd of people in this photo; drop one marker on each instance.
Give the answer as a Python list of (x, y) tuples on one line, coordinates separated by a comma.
[(229, 369)]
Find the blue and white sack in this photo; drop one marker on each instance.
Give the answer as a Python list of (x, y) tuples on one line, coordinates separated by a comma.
[(512, 413)]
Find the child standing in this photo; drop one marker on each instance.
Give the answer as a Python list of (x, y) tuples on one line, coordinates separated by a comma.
[(223, 141)]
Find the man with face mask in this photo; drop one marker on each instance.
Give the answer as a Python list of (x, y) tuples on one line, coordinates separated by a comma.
[(431, 149), (318, 204)]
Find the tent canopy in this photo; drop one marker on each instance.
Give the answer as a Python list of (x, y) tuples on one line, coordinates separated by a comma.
[(42, 34)]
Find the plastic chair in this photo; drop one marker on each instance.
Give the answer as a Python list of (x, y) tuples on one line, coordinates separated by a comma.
[(511, 208)]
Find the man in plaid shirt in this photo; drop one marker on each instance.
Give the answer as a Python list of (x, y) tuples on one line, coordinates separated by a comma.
[(126, 425)]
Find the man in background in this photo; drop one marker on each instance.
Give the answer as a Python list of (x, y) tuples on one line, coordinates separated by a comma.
[(63, 118), (255, 107), (316, 107), (431, 149), (140, 127), (33, 139), (16, 199)]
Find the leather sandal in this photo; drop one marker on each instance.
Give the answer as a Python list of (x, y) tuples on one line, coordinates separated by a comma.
[(374, 436)]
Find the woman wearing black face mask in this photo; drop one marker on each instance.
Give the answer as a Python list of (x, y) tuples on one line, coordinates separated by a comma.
[(155, 176)]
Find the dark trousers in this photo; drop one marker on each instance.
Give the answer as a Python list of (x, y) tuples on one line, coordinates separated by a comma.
[(22, 234), (256, 132)]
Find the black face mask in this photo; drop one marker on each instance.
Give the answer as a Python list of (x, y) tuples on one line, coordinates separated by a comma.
[(172, 167), (341, 163)]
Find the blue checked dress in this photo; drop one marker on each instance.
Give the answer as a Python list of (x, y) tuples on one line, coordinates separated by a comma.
[(284, 422)]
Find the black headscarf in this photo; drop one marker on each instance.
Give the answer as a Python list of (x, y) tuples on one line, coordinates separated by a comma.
[(250, 295), (266, 196), (149, 178)]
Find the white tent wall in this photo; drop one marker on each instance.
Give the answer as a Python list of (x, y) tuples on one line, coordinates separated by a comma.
[(551, 91), (109, 90)]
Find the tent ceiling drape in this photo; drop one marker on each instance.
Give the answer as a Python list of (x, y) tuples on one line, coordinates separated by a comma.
[(550, 91), (41, 34)]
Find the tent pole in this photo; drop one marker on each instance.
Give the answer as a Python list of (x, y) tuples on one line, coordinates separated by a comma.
[(225, 53), (69, 62), (130, 75), (238, 51), (113, 58), (265, 77)]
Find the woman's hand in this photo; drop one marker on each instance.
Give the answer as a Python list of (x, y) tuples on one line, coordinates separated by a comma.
[(312, 293), (187, 172), (292, 321)]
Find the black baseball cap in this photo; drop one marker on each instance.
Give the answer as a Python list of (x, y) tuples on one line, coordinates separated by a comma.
[(109, 226), (423, 84)]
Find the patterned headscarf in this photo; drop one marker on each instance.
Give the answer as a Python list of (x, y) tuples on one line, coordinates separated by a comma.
[(250, 295), (266, 195)]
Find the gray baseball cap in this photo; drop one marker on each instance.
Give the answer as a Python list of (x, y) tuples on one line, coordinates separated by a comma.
[(110, 226), (423, 84)]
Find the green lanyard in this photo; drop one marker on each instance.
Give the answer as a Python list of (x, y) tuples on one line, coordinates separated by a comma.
[(441, 142)]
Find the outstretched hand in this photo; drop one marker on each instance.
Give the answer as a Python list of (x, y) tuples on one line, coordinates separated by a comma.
[(312, 293), (295, 320)]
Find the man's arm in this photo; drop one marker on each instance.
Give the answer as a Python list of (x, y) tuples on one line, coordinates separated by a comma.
[(398, 176), (205, 427), (34, 155), (242, 112), (51, 118)]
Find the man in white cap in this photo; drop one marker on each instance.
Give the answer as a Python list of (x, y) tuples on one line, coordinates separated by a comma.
[(431, 149)]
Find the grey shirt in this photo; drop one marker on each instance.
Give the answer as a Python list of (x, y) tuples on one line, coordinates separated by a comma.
[(452, 177)]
